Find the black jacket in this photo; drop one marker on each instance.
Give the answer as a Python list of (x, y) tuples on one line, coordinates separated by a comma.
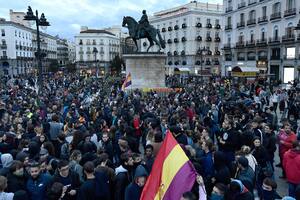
[(270, 145), (72, 179), (15, 183)]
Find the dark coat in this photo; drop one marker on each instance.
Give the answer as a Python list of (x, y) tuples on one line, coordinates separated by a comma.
[(121, 181), (133, 192), (15, 183), (37, 189)]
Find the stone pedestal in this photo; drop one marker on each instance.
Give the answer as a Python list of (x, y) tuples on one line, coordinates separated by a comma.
[(147, 70)]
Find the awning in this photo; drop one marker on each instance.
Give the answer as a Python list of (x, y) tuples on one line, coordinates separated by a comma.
[(239, 71), (184, 69)]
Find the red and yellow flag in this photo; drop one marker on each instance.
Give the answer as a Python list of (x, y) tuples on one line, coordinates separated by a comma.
[(172, 173)]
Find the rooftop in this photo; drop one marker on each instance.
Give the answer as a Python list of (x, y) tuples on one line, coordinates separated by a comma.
[(97, 31)]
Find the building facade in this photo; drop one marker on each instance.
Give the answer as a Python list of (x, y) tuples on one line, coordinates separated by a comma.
[(16, 52), (96, 48), (192, 33), (259, 37), (62, 51)]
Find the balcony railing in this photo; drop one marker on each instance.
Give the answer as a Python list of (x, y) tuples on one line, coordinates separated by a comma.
[(208, 39), (261, 42), (290, 12), (274, 40), (240, 44), (176, 40), (217, 53), (198, 25), (275, 57), (262, 19), (241, 5), (251, 22), (199, 38), (228, 27), (251, 2), (3, 46), (217, 39), (240, 24), (288, 38), (275, 16), (250, 43), (217, 26), (3, 57), (208, 25), (227, 46), (229, 9), (241, 58)]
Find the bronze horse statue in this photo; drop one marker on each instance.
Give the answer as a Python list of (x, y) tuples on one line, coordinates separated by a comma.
[(150, 33)]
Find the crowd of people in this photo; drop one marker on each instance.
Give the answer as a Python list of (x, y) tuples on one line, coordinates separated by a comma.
[(81, 137)]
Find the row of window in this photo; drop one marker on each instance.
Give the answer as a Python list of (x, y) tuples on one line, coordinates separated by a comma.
[(94, 42), (290, 4), (207, 61), (263, 36), (184, 24)]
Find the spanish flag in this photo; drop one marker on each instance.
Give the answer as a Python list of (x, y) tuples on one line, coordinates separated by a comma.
[(127, 82), (172, 173)]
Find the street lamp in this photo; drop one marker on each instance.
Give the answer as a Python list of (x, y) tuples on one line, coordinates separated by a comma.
[(95, 51), (43, 23)]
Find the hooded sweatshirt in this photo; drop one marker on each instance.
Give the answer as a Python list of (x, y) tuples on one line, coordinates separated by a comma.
[(6, 161), (133, 191), (291, 164)]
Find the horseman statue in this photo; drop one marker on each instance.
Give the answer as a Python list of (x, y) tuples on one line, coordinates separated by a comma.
[(143, 29)]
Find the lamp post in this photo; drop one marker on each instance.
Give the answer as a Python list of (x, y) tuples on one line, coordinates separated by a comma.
[(95, 51), (39, 21)]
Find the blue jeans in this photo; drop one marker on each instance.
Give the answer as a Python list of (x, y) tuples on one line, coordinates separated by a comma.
[(292, 189)]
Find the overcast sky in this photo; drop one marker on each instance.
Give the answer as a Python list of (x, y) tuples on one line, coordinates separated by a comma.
[(67, 16)]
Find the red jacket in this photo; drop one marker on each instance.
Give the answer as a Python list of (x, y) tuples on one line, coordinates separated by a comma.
[(291, 164), (288, 141)]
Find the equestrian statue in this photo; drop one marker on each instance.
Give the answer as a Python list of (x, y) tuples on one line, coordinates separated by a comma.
[(143, 29)]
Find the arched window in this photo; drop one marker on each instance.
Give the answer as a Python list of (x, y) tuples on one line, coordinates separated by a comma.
[(252, 15), (276, 7), (275, 32), (263, 34), (252, 36), (241, 37), (289, 30)]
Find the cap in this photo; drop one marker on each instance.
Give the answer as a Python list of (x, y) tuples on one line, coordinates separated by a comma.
[(43, 152)]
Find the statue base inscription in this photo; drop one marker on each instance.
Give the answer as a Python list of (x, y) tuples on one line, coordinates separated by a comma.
[(147, 70)]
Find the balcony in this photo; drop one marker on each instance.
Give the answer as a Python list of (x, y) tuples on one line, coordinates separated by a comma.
[(217, 26), (209, 53), (170, 63), (240, 24), (262, 19), (163, 30), (175, 53), (184, 62), (217, 52), (199, 38), (183, 39), (274, 40), (208, 25), (199, 25), (229, 9), (227, 46), (288, 38), (176, 63), (3, 46), (170, 28), (240, 44), (184, 26), (80, 52), (198, 62), (176, 40), (261, 42), (207, 62), (275, 16), (228, 27), (250, 43), (176, 27), (251, 2), (290, 12), (216, 62), (241, 5), (217, 39), (208, 39), (169, 41), (251, 22), (3, 57), (182, 53)]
